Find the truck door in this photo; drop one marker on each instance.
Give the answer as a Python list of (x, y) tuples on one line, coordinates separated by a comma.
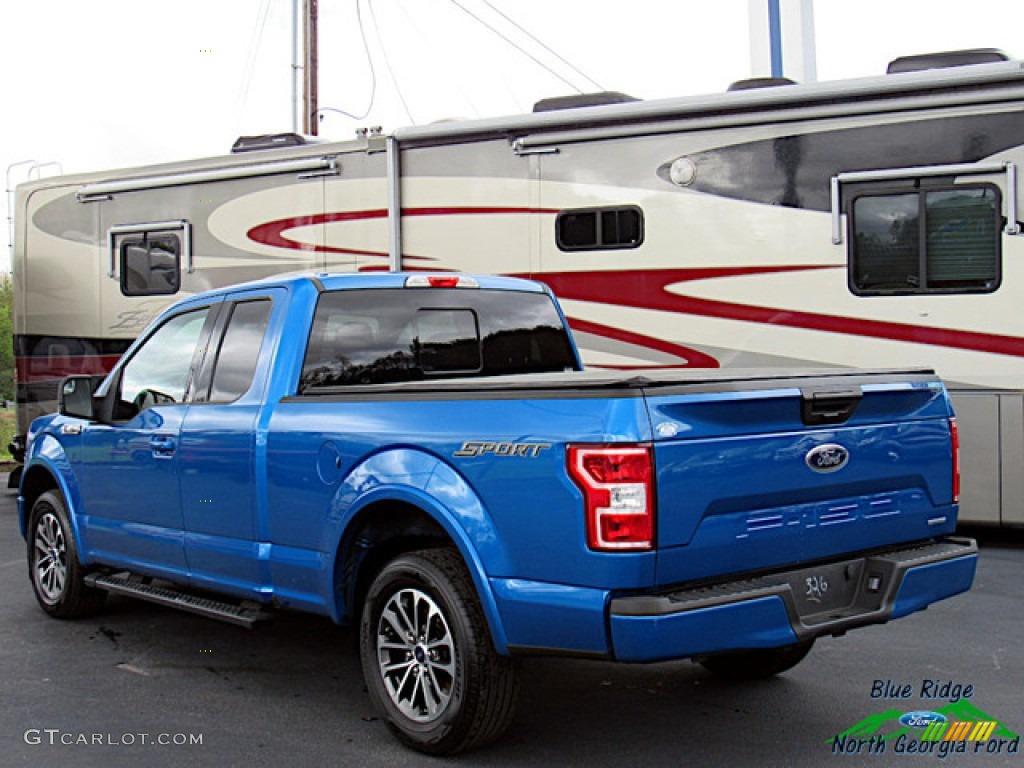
[(219, 446), (129, 468)]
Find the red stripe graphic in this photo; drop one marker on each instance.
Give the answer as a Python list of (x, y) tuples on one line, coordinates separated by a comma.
[(647, 289), (31, 370), (272, 232), (693, 358)]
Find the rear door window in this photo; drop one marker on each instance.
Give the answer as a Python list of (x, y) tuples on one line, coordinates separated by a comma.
[(240, 350)]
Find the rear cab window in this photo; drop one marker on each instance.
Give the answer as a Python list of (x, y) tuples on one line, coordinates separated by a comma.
[(381, 336)]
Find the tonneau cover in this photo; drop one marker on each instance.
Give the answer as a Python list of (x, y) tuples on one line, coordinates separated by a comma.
[(693, 380)]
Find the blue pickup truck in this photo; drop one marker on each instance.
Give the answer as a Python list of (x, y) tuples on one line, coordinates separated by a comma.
[(423, 456)]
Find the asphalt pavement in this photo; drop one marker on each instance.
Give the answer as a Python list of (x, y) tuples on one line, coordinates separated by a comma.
[(142, 685)]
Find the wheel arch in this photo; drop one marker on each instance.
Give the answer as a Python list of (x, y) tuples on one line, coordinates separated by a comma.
[(42, 475), (427, 504), (380, 532), (56, 568)]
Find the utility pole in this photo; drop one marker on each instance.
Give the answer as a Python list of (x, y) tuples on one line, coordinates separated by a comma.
[(782, 39), (310, 117), (296, 67)]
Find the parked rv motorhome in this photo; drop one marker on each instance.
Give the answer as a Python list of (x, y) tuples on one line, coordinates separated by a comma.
[(871, 222)]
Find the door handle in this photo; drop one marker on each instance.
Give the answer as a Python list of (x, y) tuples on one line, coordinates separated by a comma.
[(162, 445)]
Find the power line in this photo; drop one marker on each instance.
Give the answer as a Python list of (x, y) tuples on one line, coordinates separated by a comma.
[(543, 45), (373, 72), (387, 61), (254, 45), (514, 44), (456, 81)]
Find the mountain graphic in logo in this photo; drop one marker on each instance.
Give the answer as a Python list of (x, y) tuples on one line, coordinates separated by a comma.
[(872, 724), (881, 723)]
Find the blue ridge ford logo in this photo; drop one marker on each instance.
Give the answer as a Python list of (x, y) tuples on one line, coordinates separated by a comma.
[(830, 457)]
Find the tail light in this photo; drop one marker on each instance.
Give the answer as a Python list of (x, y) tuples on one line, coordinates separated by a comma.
[(954, 433), (618, 488)]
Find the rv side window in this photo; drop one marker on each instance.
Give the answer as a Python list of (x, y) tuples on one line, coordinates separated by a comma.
[(151, 264), (592, 229), (926, 241)]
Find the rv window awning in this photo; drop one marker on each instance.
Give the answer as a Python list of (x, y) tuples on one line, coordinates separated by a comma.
[(307, 166)]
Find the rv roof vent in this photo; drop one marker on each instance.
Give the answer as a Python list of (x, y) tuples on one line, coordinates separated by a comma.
[(270, 141), (945, 59), (759, 82), (582, 100)]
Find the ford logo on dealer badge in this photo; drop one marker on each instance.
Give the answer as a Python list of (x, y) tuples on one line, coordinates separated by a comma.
[(922, 719), (827, 458)]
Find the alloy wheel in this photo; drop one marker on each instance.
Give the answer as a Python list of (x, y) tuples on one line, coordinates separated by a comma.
[(416, 655)]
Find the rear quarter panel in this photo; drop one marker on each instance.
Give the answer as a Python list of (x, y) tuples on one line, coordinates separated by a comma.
[(329, 457)]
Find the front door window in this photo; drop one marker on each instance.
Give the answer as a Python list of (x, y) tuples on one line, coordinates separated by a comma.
[(158, 373)]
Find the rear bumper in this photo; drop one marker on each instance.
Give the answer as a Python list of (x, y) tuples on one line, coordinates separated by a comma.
[(785, 607)]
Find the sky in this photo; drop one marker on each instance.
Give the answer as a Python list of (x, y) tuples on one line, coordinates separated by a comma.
[(118, 83)]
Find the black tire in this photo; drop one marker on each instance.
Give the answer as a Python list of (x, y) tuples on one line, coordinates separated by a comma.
[(56, 574), (756, 663), (422, 621)]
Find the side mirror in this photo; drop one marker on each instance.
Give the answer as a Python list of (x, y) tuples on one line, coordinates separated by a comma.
[(76, 397)]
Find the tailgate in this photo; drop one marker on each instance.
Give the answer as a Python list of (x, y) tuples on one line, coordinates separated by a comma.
[(759, 474)]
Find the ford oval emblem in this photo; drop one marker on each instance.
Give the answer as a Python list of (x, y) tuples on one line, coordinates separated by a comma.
[(922, 719), (827, 458)]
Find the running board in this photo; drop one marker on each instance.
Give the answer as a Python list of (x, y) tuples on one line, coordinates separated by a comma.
[(243, 614)]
